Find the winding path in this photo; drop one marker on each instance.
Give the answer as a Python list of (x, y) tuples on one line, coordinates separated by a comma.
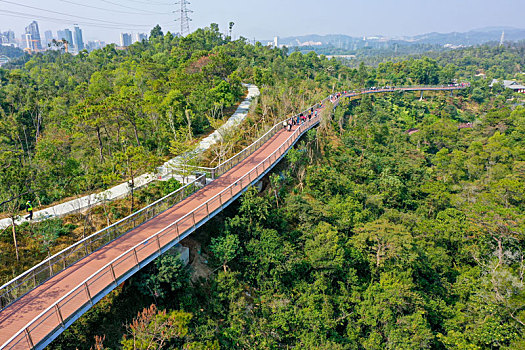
[(164, 172), (39, 316)]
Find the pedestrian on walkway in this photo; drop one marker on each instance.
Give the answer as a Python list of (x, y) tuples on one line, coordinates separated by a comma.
[(285, 124), (309, 116), (298, 120), (29, 208), (290, 125)]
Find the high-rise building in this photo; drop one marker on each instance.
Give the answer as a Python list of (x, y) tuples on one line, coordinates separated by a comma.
[(79, 42), (27, 42), (139, 37), (65, 34), (94, 45), (9, 37), (125, 39), (61, 34), (68, 36), (33, 30), (48, 35)]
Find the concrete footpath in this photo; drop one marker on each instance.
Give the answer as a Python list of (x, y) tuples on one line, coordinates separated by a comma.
[(164, 172)]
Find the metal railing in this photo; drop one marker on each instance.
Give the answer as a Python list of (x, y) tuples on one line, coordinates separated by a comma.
[(407, 88), (116, 271), (33, 277), (119, 269), (222, 168), (17, 287), (230, 163)]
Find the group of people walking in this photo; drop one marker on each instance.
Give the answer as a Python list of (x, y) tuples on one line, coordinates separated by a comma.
[(300, 118), (334, 97)]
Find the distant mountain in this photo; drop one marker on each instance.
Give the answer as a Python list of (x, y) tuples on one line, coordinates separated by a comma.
[(454, 39), (473, 37)]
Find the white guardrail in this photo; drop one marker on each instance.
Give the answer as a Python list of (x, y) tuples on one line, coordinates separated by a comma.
[(113, 271)]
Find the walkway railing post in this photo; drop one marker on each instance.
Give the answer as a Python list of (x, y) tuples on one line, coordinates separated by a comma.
[(60, 318), (158, 244), (136, 256), (113, 273), (86, 288), (29, 339)]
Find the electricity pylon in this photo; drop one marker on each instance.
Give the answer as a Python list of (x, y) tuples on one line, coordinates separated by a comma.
[(184, 18)]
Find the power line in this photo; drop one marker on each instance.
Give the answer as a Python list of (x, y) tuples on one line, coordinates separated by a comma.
[(151, 3), (117, 11), (69, 21), (66, 14), (130, 8)]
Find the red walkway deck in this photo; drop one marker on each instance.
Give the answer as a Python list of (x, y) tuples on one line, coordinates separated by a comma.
[(70, 282), (20, 313)]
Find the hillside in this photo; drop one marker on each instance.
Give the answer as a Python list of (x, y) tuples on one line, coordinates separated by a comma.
[(365, 237), (470, 38), (398, 223)]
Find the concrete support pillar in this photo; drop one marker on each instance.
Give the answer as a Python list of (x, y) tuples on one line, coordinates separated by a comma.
[(183, 252)]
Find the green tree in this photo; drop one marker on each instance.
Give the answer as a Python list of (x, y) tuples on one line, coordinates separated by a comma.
[(225, 248), (156, 32), (132, 162), (14, 185), (167, 276), (386, 244), (153, 329), (323, 249)]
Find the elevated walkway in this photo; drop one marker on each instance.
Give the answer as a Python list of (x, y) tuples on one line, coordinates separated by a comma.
[(37, 309)]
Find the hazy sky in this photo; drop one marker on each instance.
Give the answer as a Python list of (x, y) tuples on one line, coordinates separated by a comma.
[(264, 19)]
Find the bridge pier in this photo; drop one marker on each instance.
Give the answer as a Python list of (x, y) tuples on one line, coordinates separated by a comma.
[(421, 97), (183, 252)]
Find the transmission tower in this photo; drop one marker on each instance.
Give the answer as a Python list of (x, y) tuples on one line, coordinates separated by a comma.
[(502, 39), (184, 18)]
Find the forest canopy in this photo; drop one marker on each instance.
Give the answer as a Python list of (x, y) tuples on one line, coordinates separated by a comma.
[(367, 236)]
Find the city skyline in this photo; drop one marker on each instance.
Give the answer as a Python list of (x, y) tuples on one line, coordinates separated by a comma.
[(73, 34), (101, 20), (35, 40)]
